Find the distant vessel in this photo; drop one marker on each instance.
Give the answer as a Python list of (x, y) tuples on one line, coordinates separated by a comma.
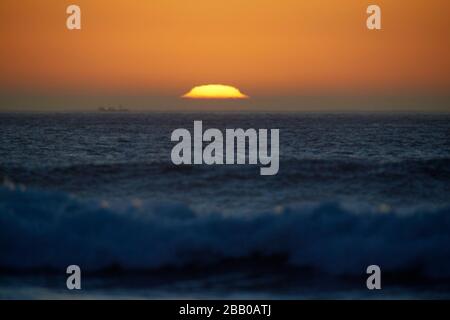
[(113, 109)]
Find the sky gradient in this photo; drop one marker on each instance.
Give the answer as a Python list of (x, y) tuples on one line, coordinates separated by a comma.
[(287, 54)]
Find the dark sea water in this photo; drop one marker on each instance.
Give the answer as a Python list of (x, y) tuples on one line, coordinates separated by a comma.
[(99, 190)]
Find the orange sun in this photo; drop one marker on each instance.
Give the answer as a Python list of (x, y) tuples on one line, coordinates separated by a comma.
[(215, 91)]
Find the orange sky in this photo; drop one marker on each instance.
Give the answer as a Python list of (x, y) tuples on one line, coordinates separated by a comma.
[(265, 48)]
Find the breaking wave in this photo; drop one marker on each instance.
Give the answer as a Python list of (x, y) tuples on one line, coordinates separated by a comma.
[(40, 229)]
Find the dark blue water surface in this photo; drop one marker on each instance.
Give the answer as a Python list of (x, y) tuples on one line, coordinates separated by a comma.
[(399, 160), (100, 189)]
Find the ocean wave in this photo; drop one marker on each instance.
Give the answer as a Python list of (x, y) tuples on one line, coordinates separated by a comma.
[(40, 229), (291, 170)]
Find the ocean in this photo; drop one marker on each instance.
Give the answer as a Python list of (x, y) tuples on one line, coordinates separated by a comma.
[(99, 190)]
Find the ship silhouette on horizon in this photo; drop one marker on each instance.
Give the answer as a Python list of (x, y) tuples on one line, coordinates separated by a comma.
[(120, 108)]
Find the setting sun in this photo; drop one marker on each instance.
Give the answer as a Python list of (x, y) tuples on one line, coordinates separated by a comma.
[(215, 91)]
